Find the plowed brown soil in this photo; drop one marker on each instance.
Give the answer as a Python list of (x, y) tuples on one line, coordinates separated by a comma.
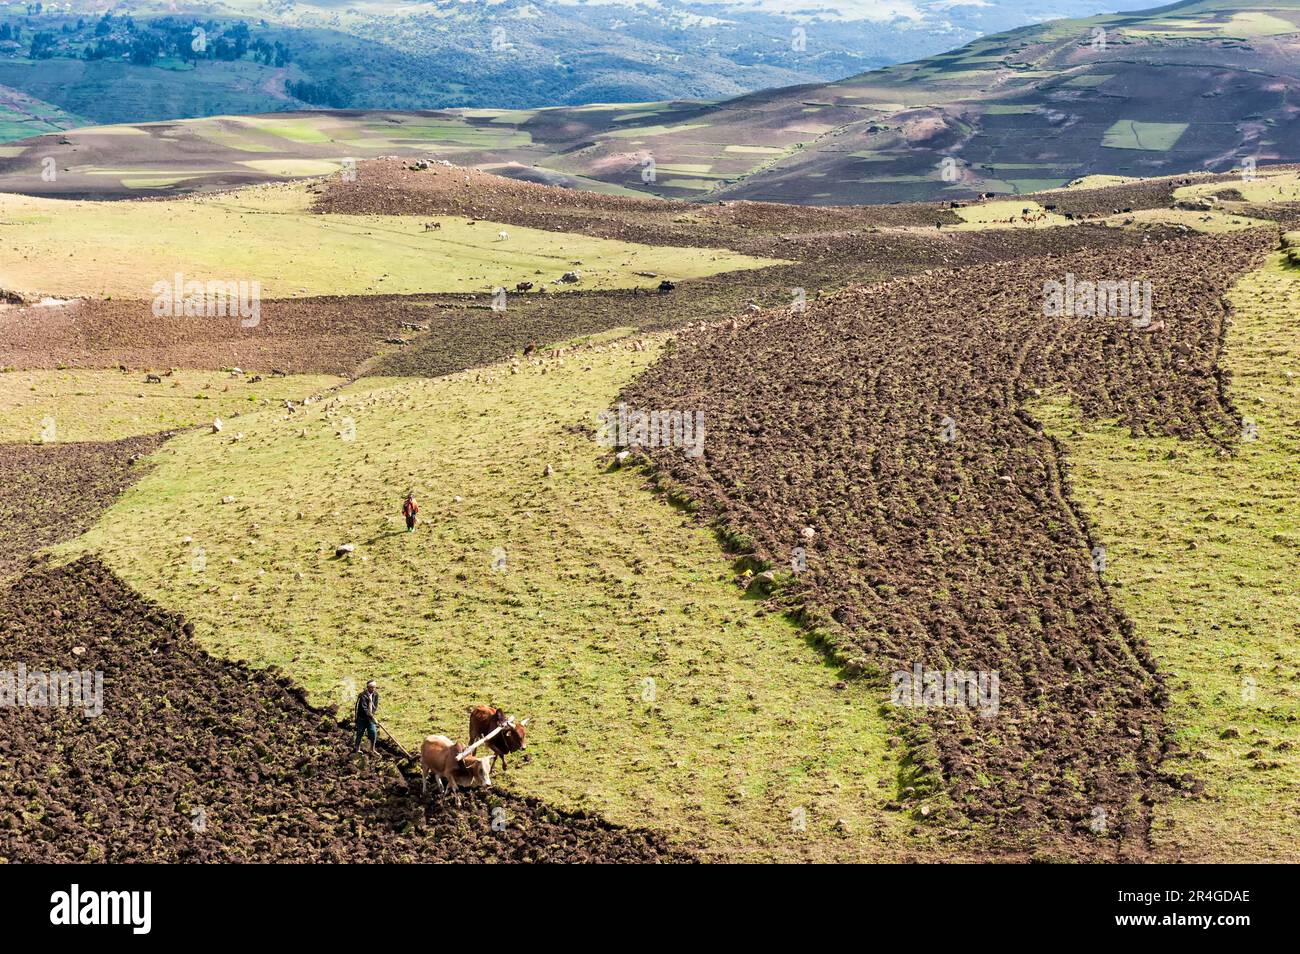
[(195, 759), (307, 335), (967, 553), (54, 492), (391, 187)]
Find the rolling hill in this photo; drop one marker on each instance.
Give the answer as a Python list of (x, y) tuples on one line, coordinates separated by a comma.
[(173, 59), (1199, 85)]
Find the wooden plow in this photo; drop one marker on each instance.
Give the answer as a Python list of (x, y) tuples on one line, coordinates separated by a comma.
[(508, 724)]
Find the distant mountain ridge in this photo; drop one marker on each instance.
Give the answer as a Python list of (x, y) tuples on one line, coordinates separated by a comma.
[(1203, 85), (1198, 85), (138, 62)]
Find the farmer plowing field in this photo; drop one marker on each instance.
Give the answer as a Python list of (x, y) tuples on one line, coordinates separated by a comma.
[(367, 724), (453, 765)]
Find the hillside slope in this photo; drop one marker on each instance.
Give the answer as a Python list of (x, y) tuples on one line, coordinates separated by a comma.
[(1199, 85), (171, 59), (907, 452), (1193, 86)]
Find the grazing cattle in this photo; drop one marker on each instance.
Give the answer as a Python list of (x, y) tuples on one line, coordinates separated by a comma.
[(152, 379), (524, 286), (484, 719), (430, 226), (528, 350), (503, 235), (438, 758), (666, 286)]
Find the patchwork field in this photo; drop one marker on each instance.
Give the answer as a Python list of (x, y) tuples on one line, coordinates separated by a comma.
[(54, 492), (910, 458), (947, 536), (22, 117), (1126, 95), (237, 767), (575, 597)]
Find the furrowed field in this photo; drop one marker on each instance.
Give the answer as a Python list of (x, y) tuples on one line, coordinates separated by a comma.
[(909, 464)]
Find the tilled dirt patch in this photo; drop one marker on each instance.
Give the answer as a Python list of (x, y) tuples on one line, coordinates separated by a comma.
[(890, 420), (391, 187), (195, 759), (328, 335), (54, 492)]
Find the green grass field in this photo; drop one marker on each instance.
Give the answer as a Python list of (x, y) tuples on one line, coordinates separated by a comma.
[(1207, 222), (81, 405), (1131, 134), (1098, 181), (1204, 552), (1239, 25), (995, 215), (1266, 188), (22, 117), (266, 233), (659, 694)]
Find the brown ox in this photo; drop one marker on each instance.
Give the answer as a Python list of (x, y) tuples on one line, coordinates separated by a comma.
[(484, 719), (438, 757)]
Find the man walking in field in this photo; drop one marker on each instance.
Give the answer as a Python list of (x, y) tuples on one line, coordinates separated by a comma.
[(409, 509), (367, 706)]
